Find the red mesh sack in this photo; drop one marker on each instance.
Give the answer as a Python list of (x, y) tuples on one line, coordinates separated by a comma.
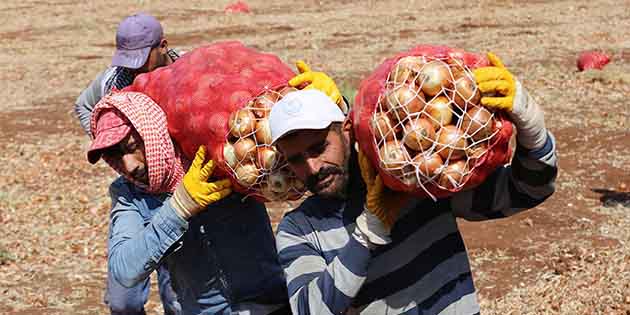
[(201, 90), (418, 119), (592, 60)]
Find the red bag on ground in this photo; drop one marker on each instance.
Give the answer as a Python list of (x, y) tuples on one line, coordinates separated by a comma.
[(592, 60), (396, 123), (202, 88)]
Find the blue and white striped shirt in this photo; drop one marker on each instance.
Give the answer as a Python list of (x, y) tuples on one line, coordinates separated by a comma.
[(425, 270)]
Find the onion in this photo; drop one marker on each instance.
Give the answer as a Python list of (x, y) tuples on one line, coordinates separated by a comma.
[(247, 174), (451, 143), (408, 176), (286, 90), (474, 152), (229, 155), (393, 155), (245, 149), (383, 127), (267, 193), (428, 165), (440, 110), (433, 76), (478, 123), (465, 90), (419, 134), (404, 100), (453, 176), (262, 104), (263, 131), (242, 122), (406, 69), (278, 182), (267, 157)]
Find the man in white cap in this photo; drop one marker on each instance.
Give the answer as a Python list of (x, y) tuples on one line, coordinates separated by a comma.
[(337, 254), (140, 47)]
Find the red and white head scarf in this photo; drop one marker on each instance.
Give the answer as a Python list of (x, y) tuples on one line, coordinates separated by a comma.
[(164, 160)]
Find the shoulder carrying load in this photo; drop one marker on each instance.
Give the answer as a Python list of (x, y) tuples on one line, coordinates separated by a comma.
[(219, 96), (418, 118)]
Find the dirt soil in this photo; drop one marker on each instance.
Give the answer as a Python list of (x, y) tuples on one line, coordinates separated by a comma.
[(571, 255)]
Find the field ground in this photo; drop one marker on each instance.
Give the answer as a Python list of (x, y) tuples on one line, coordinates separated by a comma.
[(571, 255)]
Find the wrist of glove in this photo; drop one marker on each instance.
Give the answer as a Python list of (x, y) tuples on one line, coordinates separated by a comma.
[(529, 120), (194, 193), (370, 230), (507, 94), (183, 203)]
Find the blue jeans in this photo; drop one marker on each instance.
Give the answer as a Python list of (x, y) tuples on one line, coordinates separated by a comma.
[(130, 301)]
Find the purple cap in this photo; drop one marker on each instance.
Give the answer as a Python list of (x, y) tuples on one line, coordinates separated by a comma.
[(135, 37)]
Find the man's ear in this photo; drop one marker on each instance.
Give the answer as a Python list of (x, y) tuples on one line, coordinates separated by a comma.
[(163, 46), (346, 130), (347, 124)]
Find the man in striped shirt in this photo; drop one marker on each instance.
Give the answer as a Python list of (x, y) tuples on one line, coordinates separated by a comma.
[(140, 47), (340, 258)]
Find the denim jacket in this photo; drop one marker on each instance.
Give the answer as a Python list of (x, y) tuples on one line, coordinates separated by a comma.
[(221, 261)]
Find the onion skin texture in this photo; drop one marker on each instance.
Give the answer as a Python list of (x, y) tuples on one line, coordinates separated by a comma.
[(475, 152), (267, 158), (404, 100), (451, 140), (247, 174), (245, 149), (456, 172), (262, 105), (419, 135), (383, 127), (229, 155), (478, 123), (263, 131), (434, 76), (441, 110), (241, 123), (278, 182), (428, 165), (393, 155), (465, 90), (406, 69)]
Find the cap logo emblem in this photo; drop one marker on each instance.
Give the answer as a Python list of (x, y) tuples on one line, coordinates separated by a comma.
[(294, 107)]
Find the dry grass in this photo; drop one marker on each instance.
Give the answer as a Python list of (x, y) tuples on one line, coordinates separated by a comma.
[(570, 256)]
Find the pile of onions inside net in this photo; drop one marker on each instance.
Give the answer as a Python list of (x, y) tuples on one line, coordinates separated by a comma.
[(251, 158), (428, 126)]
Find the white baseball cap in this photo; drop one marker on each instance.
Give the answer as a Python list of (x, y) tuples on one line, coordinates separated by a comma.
[(305, 109)]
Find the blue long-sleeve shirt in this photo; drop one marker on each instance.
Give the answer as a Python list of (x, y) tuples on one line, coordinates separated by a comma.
[(425, 269), (221, 261)]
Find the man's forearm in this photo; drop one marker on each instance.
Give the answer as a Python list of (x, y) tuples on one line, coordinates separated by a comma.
[(133, 257)]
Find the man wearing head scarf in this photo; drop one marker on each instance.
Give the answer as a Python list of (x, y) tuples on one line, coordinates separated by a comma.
[(140, 47), (356, 247), (219, 249)]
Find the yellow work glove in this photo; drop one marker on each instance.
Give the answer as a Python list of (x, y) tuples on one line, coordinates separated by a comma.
[(381, 201), (496, 80), (194, 193), (315, 80)]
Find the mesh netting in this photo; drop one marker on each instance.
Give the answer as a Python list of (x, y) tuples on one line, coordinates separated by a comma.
[(419, 119), (199, 93), (249, 155)]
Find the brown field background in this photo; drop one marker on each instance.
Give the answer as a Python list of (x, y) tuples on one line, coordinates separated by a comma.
[(570, 255)]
